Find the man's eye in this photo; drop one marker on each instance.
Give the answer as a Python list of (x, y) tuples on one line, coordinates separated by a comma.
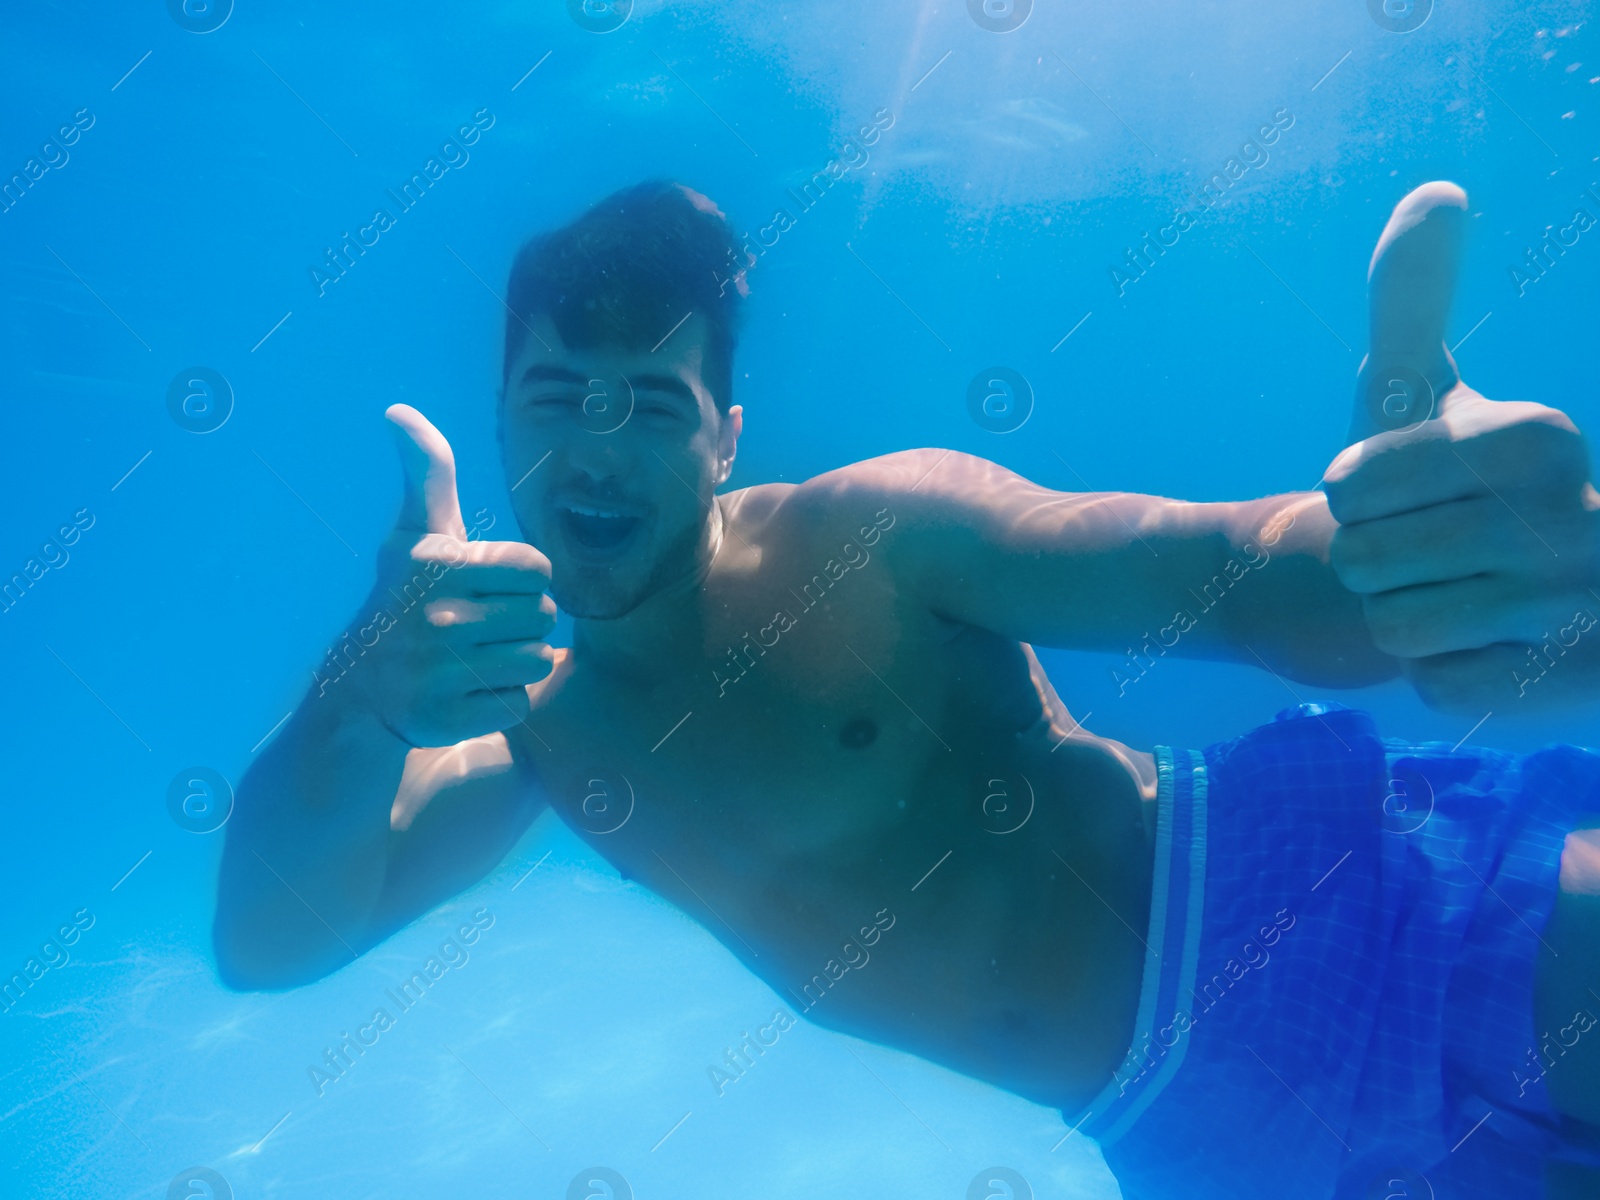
[(657, 408), (554, 401)]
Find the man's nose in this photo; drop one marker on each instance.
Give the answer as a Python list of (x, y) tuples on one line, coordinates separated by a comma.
[(603, 456)]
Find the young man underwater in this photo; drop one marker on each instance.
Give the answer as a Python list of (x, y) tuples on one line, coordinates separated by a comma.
[(1307, 962)]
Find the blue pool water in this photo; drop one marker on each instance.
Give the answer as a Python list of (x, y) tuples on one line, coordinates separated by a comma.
[(181, 200)]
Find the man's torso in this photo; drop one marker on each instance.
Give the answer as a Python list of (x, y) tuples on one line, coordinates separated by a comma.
[(793, 781)]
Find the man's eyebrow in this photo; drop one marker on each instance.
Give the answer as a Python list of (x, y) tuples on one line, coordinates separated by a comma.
[(539, 374), (670, 384)]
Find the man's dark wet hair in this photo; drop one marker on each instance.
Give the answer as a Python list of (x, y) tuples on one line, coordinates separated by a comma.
[(628, 270)]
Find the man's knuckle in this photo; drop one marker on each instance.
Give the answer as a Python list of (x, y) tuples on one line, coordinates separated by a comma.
[(1358, 557)]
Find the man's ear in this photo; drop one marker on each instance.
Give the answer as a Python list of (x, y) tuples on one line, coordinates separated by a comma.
[(728, 442)]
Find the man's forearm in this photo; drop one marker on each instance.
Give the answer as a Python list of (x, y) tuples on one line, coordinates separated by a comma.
[(1285, 608), (307, 848)]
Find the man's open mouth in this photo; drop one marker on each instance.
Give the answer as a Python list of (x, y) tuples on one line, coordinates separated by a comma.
[(596, 528)]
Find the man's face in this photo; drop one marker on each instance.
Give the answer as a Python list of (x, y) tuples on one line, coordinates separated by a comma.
[(612, 457)]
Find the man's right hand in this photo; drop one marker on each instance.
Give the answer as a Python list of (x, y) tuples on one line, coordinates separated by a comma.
[(469, 617)]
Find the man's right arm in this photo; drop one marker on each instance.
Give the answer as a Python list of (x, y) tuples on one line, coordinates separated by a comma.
[(396, 789), (342, 834)]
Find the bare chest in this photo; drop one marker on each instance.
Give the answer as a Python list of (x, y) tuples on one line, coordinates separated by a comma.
[(821, 763), (790, 744)]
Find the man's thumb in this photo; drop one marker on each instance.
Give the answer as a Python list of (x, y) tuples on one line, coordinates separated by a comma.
[(429, 504), (1410, 285)]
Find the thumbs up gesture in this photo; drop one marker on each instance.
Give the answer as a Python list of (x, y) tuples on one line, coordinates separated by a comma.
[(469, 616), (1468, 526)]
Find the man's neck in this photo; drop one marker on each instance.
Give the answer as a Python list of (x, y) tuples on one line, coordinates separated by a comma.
[(643, 642)]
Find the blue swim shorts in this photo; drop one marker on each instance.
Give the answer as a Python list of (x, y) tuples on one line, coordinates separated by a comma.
[(1337, 1000)]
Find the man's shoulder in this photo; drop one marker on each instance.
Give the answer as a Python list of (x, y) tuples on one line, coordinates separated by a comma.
[(904, 482), (889, 476), (854, 504)]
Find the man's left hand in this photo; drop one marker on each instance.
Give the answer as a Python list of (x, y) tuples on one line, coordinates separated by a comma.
[(1468, 526)]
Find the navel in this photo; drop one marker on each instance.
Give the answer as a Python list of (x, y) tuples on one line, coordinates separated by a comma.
[(858, 732)]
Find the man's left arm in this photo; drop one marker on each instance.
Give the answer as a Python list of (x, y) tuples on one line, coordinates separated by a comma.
[(1250, 581), (1458, 542)]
